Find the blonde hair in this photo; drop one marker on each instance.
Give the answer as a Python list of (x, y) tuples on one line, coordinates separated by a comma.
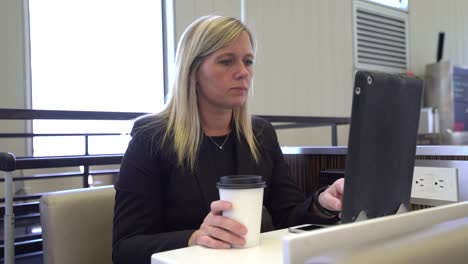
[(181, 117)]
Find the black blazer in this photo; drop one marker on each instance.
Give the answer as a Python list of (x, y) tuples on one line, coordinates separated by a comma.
[(158, 205)]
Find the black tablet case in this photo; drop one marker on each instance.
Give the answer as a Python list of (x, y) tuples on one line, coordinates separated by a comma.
[(382, 144)]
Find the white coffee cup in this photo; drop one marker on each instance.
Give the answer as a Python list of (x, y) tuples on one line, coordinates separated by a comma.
[(245, 192)]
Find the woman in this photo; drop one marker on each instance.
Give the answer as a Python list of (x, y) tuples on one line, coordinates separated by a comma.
[(166, 196)]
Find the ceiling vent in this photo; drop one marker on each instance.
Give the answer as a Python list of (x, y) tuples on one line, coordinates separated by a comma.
[(380, 38)]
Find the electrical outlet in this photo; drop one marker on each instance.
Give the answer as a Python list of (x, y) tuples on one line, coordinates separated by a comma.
[(434, 186)]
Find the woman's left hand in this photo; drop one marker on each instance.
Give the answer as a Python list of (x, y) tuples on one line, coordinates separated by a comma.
[(332, 197)]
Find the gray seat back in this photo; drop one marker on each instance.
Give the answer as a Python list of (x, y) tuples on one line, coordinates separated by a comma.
[(77, 225)]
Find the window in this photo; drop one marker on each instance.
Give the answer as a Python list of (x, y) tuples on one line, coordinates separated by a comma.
[(94, 55)]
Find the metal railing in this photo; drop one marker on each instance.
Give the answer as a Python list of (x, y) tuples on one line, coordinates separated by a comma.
[(30, 210), (289, 122), (286, 122)]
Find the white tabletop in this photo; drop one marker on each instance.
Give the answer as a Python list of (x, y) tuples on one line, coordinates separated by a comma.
[(283, 247), (269, 251)]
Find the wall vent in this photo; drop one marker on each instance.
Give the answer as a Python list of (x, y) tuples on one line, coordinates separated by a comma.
[(380, 37)]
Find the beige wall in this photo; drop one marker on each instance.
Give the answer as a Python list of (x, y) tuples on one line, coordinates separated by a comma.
[(186, 11), (304, 63), (427, 19), (12, 71)]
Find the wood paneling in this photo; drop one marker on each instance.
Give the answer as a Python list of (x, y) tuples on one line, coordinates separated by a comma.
[(305, 169)]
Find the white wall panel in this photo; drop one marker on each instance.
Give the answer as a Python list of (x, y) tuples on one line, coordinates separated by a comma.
[(427, 19), (304, 62), (12, 71), (11, 55), (186, 11)]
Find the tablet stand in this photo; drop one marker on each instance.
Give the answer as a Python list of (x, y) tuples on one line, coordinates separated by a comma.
[(363, 215)]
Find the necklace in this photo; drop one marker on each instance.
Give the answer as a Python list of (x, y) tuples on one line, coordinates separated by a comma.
[(224, 142)]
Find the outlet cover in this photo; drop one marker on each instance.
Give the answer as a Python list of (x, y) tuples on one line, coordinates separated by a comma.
[(434, 186)]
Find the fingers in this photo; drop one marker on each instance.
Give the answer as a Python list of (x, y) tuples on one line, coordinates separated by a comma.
[(217, 207), (217, 237), (210, 242), (227, 223), (333, 196), (215, 218), (330, 202), (339, 186), (205, 239), (218, 231)]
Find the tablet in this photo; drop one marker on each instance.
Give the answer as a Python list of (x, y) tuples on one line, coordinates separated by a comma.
[(382, 145)]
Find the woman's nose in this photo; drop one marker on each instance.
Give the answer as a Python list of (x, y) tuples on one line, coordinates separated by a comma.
[(242, 71)]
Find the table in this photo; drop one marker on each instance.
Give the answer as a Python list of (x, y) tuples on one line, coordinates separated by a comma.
[(340, 242), (268, 251)]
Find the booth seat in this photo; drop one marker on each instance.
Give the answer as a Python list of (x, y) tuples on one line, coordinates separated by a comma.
[(77, 225)]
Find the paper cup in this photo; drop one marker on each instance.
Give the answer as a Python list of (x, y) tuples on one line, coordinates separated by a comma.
[(245, 192)]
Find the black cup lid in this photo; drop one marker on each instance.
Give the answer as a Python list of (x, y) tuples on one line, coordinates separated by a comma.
[(241, 182)]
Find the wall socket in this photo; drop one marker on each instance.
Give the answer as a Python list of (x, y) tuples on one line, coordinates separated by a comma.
[(434, 186)]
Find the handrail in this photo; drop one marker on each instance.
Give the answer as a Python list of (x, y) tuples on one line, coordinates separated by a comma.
[(321, 120), (28, 114), (29, 135), (66, 161), (62, 175), (288, 122), (10, 163), (309, 121)]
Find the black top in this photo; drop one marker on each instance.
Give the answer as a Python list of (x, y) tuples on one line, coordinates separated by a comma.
[(223, 160), (158, 205)]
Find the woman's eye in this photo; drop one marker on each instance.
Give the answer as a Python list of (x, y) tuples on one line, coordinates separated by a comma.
[(225, 62), (248, 62)]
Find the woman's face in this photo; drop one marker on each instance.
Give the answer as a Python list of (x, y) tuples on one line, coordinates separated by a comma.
[(224, 76)]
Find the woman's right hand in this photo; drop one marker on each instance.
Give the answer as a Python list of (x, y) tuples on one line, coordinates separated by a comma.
[(218, 231)]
